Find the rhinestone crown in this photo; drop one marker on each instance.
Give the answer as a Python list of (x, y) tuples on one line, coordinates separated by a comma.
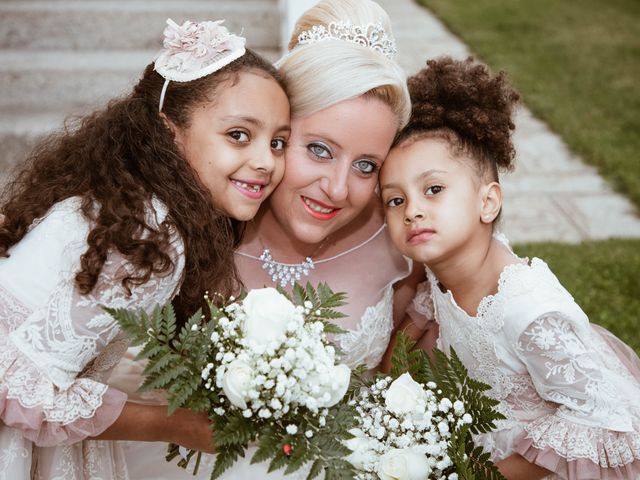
[(371, 35)]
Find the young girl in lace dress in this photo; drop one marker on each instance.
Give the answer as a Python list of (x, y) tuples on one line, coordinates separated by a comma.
[(569, 390), (139, 200)]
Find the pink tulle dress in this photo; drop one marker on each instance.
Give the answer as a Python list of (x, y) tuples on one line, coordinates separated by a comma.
[(570, 390), (367, 270), (58, 347)]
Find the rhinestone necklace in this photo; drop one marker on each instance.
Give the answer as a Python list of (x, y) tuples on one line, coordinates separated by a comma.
[(285, 273), (289, 273)]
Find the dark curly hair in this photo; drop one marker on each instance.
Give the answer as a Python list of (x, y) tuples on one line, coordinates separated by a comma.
[(116, 160), (464, 104)]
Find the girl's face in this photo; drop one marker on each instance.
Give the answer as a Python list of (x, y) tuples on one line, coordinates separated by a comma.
[(333, 159), (236, 143), (432, 201)]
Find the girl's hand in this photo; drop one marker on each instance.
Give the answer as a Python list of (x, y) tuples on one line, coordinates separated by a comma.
[(516, 467), (150, 423), (191, 430)]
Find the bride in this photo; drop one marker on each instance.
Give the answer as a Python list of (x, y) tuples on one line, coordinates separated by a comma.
[(324, 222)]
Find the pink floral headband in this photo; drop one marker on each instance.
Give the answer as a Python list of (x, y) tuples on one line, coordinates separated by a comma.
[(195, 49)]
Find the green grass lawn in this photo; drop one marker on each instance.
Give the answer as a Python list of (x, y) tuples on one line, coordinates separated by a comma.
[(603, 277), (576, 64)]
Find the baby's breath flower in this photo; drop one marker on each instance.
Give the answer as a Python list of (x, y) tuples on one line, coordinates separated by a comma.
[(291, 429)]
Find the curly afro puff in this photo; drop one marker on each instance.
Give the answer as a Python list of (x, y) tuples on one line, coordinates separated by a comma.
[(464, 104)]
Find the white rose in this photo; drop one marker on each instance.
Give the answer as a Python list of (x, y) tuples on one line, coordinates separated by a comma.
[(361, 454), (403, 464), (335, 384), (268, 313), (405, 395), (236, 382), (340, 376)]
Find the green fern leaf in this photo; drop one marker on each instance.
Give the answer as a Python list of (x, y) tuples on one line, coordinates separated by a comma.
[(298, 295), (163, 380), (134, 324), (160, 364), (299, 456), (237, 431), (316, 469), (278, 461), (312, 295), (225, 458), (150, 350), (269, 441)]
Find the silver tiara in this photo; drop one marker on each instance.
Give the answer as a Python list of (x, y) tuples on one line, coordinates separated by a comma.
[(371, 35)]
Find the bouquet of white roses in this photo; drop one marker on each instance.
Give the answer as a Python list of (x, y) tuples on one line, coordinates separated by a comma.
[(414, 430), (264, 371)]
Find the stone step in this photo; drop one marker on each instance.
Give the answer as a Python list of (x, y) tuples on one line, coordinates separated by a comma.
[(40, 89), (66, 80), (136, 24)]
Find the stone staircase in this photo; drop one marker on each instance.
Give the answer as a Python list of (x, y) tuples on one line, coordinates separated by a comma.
[(67, 57)]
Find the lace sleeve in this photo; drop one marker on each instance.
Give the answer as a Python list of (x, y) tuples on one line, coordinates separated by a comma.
[(53, 359), (595, 423)]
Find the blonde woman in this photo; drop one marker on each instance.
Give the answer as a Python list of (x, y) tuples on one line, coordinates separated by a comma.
[(324, 222)]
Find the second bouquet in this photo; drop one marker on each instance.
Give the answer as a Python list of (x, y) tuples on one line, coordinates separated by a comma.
[(264, 371)]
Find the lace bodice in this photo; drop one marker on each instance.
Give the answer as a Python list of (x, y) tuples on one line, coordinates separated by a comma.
[(563, 384), (58, 345), (366, 272)]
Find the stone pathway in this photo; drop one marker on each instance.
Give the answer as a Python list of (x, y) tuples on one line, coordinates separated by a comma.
[(64, 57), (551, 195)]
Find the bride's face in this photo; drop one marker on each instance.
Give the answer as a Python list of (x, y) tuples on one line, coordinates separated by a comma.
[(332, 162)]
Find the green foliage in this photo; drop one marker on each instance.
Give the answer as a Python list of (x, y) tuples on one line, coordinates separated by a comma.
[(324, 303), (453, 382), (234, 429), (226, 456), (452, 378), (471, 462), (405, 358), (175, 360)]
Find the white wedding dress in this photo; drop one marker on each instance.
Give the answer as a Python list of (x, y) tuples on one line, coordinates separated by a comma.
[(366, 271)]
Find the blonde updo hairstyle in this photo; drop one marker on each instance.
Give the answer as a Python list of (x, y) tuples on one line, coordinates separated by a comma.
[(324, 73)]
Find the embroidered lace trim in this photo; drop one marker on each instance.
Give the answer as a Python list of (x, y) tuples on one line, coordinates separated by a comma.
[(55, 356), (574, 377), (477, 334), (573, 441), (368, 341), (27, 384)]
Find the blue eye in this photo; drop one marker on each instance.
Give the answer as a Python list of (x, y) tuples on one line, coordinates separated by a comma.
[(239, 136), (434, 190), (320, 151), (365, 166), (394, 202), (278, 144)]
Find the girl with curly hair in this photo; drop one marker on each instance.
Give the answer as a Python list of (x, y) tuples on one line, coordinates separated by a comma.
[(139, 201), (567, 388)]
